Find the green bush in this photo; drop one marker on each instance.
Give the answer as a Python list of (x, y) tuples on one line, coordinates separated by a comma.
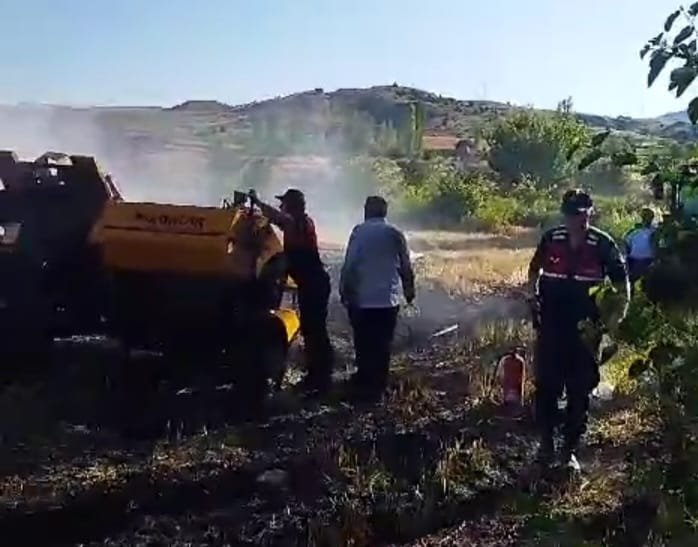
[(538, 146), (437, 194), (617, 215), (497, 212), (605, 178)]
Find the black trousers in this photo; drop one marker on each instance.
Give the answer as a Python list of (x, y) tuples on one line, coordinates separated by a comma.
[(313, 299), (637, 267), (374, 329), (564, 361)]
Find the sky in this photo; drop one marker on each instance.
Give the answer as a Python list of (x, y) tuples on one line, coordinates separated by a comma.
[(163, 52)]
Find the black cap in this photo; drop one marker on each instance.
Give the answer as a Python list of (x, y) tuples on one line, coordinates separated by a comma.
[(292, 195), (576, 201)]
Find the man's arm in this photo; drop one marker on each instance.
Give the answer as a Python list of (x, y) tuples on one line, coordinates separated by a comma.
[(405, 268), (347, 279), (276, 216), (627, 242), (654, 240), (536, 264), (617, 272)]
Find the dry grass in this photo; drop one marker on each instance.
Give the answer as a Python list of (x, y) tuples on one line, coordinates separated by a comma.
[(473, 263), (431, 463), (440, 142)]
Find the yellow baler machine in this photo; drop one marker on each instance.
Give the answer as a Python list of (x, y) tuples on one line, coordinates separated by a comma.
[(198, 283), (206, 246)]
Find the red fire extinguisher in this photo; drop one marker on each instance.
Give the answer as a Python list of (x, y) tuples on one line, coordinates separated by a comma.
[(512, 375)]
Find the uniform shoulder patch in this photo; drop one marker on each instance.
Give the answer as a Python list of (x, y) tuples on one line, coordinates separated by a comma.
[(557, 233), (599, 235)]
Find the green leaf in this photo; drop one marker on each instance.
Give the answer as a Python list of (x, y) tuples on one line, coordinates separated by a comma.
[(683, 34), (573, 149), (655, 41), (681, 78), (650, 168), (670, 20), (657, 64), (590, 158), (638, 368), (644, 51), (599, 138), (693, 111), (620, 159), (594, 290)]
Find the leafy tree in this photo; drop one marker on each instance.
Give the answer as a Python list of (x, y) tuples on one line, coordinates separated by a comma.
[(607, 175), (386, 140), (529, 144), (418, 121), (681, 47)]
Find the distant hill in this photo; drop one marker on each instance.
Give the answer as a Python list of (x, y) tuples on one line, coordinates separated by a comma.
[(176, 151), (197, 141), (671, 118), (198, 124), (456, 117)]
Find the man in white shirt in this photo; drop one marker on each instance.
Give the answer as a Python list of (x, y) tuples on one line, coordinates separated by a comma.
[(640, 245), (376, 264)]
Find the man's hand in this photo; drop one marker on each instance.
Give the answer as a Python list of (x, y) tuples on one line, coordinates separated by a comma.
[(345, 297), (410, 296)]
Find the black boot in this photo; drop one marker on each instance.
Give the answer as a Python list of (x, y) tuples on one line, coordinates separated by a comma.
[(316, 384), (546, 449)]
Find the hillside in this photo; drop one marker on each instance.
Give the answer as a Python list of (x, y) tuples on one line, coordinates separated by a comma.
[(199, 124), (196, 151)]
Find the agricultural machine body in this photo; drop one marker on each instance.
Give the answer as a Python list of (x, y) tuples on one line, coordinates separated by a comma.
[(76, 258), (188, 278), (49, 276)]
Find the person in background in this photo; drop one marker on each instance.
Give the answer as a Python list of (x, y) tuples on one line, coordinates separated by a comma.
[(568, 261), (376, 264), (641, 245), (307, 270)]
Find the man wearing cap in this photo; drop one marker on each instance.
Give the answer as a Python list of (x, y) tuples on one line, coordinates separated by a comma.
[(307, 270), (377, 262), (569, 260)]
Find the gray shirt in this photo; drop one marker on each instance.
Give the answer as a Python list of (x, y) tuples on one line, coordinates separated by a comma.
[(376, 263)]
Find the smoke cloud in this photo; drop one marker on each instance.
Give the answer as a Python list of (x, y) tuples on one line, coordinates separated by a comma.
[(158, 155)]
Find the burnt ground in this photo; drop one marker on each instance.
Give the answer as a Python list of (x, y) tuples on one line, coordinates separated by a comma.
[(434, 463)]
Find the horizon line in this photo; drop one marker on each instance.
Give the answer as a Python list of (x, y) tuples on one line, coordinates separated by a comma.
[(255, 102)]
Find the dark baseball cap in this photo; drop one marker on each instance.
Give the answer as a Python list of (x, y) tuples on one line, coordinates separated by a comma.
[(292, 195), (575, 202)]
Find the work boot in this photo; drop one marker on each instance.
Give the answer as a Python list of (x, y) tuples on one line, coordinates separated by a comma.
[(546, 450), (315, 386)]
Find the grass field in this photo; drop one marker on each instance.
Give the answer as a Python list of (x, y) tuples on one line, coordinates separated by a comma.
[(433, 464)]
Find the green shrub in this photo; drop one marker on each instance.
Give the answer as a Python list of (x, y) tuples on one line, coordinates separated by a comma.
[(617, 215), (537, 145), (437, 194), (497, 212)]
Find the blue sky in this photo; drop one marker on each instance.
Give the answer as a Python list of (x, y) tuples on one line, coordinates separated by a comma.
[(166, 51)]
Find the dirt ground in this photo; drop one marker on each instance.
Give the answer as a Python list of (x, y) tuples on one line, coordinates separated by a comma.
[(434, 463)]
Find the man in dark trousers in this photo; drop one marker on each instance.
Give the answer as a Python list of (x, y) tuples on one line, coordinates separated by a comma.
[(307, 270), (568, 261), (377, 262)]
